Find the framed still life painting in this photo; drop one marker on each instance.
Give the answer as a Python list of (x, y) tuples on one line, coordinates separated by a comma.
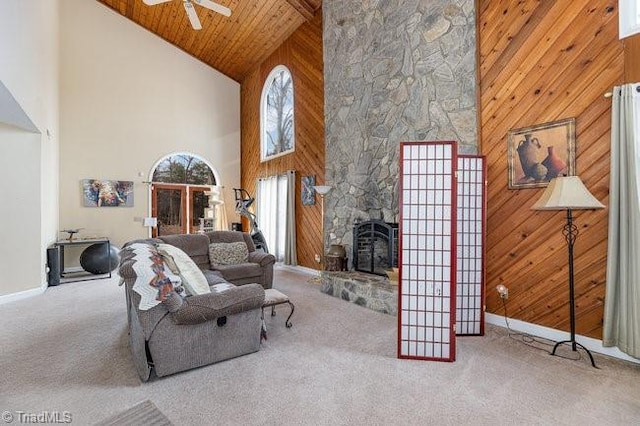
[(539, 153)]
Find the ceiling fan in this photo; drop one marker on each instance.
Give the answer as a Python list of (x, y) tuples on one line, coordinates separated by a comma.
[(191, 11)]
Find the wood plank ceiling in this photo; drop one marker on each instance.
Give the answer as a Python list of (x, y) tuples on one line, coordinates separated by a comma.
[(235, 45)]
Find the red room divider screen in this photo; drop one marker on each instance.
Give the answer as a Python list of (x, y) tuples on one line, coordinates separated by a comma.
[(470, 249), (441, 249), (427, 254)]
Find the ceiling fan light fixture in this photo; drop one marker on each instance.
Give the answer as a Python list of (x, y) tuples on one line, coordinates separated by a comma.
[(193, 16), (191, 11)]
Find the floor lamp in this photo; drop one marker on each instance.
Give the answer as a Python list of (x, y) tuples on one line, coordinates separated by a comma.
[(569, 193), (322, 190)]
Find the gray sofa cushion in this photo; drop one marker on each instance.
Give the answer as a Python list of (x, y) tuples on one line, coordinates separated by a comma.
[(213, 277), (195, 245), (241, 272)]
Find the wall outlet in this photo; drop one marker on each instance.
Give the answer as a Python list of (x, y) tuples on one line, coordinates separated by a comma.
[(318, 258), (503, 291)]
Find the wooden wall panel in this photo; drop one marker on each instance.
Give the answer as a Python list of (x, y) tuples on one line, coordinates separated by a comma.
[(632, 59), (541, 61), (302, 54)]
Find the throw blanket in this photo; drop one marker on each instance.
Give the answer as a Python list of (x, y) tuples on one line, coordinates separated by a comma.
[(154, 280)]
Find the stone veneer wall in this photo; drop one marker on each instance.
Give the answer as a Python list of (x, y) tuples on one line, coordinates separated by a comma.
[(394, 70)]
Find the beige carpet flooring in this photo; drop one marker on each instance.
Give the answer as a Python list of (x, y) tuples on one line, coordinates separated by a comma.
[(67, 351)]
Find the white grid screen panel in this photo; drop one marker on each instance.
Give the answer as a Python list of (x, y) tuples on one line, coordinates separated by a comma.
[(427, 251), (470, 246)]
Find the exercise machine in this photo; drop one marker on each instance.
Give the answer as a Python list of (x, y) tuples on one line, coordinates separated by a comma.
[(243, 202)]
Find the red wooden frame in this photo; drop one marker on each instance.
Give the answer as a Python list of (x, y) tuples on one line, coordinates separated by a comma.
[(426, 296), (470, 262)]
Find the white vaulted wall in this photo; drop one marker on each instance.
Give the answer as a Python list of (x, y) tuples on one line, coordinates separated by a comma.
[(128, 98), (106, 99), (28, 155)]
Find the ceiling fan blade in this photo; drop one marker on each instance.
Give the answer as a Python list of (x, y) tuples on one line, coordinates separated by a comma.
[(154, 2), (193, 16), (222, 10)]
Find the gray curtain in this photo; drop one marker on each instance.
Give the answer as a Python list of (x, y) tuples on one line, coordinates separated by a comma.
[(622, 302), (290, 256)]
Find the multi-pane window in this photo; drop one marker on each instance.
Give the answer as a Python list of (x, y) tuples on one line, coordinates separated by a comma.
[(179, 187), (276, 114)]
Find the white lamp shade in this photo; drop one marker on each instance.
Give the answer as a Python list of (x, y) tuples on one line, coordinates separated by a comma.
[(567, 192), (322, 189)]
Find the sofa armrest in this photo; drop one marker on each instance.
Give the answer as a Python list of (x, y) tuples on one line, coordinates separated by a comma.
[(262, 258), (206, 307)]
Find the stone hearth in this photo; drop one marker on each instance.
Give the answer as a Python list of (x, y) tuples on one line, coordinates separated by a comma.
[(371, 291)]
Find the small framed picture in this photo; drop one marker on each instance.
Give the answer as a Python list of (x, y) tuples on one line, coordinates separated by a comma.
[(539, 153), (308, 193)]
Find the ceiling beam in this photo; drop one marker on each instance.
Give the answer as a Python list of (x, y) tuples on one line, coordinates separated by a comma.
[(303, 8)]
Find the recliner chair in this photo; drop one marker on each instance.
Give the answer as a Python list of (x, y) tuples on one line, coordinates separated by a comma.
[(179, 334)]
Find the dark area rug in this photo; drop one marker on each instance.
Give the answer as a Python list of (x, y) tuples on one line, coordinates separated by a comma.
[(144, 413)]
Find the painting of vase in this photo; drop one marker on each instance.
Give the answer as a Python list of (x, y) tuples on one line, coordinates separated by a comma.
[(539, 153)]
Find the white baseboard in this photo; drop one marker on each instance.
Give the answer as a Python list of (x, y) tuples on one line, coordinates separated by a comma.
[(298, 269), (12, 297), (590, 343)]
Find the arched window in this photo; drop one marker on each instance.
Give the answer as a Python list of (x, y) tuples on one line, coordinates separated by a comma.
[(183, 168), (277, 136), (182, 195), (628, 17)]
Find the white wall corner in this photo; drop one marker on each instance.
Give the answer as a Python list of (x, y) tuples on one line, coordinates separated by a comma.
[(12, 113)]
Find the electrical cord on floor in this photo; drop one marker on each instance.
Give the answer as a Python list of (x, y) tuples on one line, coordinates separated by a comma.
[(526, 338)]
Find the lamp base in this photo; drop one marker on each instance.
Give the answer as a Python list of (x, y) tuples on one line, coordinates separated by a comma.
[(574, 346)]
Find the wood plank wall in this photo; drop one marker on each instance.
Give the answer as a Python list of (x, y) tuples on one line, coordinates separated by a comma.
[(302, 54), (632, 59), (540, 61)]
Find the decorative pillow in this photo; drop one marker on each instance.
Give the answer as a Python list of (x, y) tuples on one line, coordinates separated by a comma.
[(178, 261), (228, 253), (154, 281)]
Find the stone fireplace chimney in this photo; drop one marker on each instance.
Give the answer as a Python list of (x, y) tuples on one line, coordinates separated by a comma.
[(394, 71)]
